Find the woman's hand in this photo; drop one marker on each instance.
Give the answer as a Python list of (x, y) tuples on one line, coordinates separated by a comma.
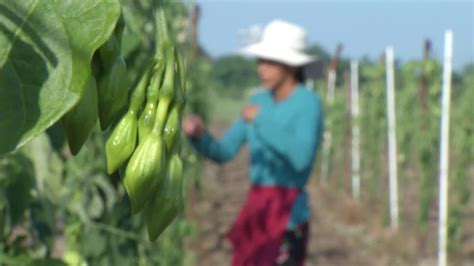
[(250, 112), (193, 126)]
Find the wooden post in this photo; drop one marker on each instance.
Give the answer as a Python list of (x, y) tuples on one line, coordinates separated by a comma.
[(195, 21), (355, 130), (392, 142), (444, 150), (347, 126), (327, 137), (424, 78)]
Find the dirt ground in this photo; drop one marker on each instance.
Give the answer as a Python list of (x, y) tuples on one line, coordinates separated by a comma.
[(343, 232)]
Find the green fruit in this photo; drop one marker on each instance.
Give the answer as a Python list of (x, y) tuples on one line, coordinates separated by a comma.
[(109, 51), (166, 93), (146, 120), (96, 66), (147, 117), (112, 92), (181, 68), (167, 201), (172, 128), (80, 120), (122, 142), (138, 95), (162, 34), (144, 170), (119, 29)]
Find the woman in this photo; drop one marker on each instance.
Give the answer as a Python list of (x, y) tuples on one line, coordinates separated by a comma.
[(282, 126)]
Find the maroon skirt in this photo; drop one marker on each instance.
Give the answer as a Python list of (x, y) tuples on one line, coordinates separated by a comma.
[(258, 232)]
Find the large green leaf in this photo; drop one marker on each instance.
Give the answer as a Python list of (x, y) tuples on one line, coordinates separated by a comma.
[(46, 48)]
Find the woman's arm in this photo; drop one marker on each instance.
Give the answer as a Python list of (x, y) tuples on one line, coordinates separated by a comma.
[(223, 149)]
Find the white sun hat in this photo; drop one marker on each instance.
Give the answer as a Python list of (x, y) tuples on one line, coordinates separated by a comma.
[(283, 42)]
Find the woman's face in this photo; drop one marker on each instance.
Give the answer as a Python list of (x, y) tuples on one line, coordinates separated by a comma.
[(272, 74)]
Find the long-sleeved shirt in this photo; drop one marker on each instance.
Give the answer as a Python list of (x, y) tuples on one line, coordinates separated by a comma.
[(282, 139)]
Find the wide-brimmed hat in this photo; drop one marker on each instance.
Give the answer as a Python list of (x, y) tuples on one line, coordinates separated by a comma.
[(283, 42)]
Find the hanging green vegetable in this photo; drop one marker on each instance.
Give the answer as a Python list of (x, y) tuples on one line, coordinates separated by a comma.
[(167, 202), (80, 120), (122, 141)]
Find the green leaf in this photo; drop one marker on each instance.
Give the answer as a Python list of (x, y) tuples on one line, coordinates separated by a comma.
[(94, 204), (57, 136), (42, 214), (8, 259), (96, 243), (12, 111), (48, 167), (19, 191), (107, 190), (45, 57), (47, 262)]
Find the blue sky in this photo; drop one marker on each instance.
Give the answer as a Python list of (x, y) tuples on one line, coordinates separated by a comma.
[(364, 27)]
